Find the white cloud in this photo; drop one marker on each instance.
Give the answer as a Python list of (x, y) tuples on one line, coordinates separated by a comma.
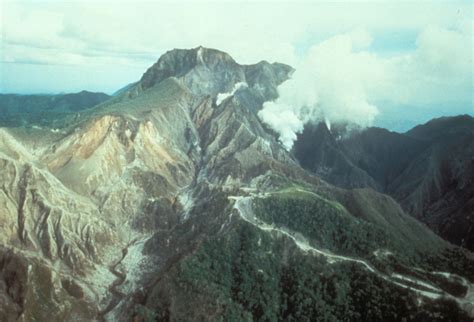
[(330, 83), (341, 80), (131, 35), (250, 31)]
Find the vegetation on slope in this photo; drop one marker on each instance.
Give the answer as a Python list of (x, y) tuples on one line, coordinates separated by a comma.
[(248, 275), (45, 110)]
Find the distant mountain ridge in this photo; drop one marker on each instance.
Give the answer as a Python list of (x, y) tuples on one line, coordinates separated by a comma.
[(429, 169), (28, 110)]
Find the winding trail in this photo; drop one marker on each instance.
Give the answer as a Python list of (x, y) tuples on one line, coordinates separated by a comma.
[(117, 295), (466, 302), (243, 205)]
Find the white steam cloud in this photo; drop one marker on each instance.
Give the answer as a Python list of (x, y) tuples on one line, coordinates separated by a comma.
[(330, 84), (340, 80)]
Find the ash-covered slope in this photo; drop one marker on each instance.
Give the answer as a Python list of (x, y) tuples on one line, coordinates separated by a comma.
[(171, 201), (429, 169)]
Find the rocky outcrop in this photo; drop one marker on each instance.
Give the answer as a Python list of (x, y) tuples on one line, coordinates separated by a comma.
[(78, 199)]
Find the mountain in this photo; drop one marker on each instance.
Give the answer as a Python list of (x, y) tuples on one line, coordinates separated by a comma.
[(429, 169), (172, 202), (389, 116), (44, 110)]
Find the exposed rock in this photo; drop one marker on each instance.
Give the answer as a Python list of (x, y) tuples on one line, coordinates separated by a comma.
[(131, 213)]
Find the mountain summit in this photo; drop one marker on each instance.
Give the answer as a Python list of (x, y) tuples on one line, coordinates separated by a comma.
[(171, 201), (210, 71)]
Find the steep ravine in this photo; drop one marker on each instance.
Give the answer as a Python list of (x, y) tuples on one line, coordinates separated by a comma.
[(116, 294)]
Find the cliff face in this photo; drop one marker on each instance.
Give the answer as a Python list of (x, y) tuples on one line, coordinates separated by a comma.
[(171, 201)]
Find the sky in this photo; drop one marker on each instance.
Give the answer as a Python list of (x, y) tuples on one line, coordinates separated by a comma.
[(352, 55)]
